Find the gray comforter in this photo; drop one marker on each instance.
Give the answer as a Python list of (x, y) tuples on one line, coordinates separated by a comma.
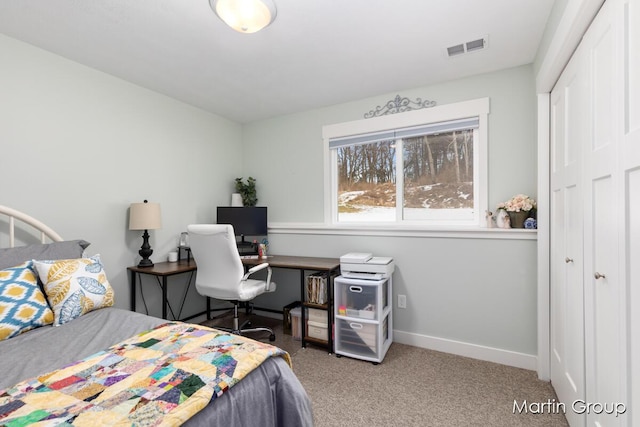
[(271, 395)]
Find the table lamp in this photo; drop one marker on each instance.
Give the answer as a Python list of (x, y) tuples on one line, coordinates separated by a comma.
[(145, 216)]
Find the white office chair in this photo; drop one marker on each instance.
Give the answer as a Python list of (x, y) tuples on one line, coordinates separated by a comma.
[(220, 273)]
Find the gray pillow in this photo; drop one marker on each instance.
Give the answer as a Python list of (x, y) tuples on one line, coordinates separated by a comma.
[(69, 249)]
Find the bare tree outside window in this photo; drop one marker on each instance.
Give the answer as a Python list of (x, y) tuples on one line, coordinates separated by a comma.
[(367, 182), (437, 177), (421, 169)]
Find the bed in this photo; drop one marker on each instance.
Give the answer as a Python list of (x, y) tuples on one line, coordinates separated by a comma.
[(268, 395)]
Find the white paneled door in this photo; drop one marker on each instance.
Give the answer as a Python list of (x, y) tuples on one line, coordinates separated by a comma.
[(604, 292), (629, 159), (595, 215), (568, 109)]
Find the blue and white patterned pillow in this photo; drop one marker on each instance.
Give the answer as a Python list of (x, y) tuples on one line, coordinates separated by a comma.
[(22, 303), (74, 286)]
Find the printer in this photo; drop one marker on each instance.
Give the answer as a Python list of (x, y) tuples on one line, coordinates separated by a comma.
[(358, 265)]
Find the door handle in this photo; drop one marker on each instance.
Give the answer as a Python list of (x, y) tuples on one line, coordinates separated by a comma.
[(568, 260), (599, 276)]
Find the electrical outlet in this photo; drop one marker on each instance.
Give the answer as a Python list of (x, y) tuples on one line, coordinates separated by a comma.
[(402, 301)]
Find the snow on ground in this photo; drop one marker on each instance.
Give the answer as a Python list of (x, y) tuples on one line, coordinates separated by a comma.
[(369, 214), (348, 196), (450, 202), (383, 214)]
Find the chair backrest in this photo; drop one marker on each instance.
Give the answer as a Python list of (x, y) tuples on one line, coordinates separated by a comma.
[(220, 269)]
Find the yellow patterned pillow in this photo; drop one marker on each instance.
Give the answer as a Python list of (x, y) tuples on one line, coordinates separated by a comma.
[(22, 304), (74, 286)]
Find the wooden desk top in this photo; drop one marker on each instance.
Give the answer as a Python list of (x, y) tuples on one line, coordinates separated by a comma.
[(275, 261), (296, 262), (166, 268)]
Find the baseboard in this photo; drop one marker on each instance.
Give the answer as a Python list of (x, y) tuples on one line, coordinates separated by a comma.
[(474, 351), (489, 354)]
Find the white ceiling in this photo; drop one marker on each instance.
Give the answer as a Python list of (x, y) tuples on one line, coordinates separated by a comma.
[(316, 53)]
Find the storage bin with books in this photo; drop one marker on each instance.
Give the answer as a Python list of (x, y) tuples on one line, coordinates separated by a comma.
[(318, 315), (316, 323), (317, 288)]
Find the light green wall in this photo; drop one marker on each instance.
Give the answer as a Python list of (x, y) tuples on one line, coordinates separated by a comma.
[(78, 146), (478, 291), (555, 16), (285, 153), (84, 145)]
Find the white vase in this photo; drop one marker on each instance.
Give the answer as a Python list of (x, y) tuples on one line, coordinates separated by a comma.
[(502, 219), (236, 200)]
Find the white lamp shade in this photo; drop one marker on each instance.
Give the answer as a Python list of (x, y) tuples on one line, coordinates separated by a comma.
[(245, 16), (144, 216)]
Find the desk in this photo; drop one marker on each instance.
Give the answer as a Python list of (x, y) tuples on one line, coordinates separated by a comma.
[(329, 265), (162, 270)]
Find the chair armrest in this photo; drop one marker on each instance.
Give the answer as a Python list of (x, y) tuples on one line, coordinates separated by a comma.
[(258, 268), (255, 268)]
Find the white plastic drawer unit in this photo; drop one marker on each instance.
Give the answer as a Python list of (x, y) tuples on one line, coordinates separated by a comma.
[(364, 322), (362, 340), (363, 299)]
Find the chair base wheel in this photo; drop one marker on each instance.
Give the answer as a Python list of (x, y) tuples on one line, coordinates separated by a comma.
[(272, 337)]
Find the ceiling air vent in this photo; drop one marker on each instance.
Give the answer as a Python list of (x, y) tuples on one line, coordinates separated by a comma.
[(470, 46), (455, 50), (475, 45)]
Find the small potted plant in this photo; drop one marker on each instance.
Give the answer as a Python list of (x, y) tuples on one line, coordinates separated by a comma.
[(519, 208), (247, 191)]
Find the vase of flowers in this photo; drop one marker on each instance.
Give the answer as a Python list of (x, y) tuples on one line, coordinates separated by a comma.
[(519, 207)]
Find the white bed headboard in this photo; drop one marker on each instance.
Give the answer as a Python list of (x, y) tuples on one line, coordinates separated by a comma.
[(14, 215)]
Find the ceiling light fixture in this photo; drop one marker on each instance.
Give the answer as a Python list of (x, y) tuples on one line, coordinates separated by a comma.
[(245, 16)]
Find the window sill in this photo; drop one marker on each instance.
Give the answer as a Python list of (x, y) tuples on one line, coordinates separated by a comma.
[(449, 232)]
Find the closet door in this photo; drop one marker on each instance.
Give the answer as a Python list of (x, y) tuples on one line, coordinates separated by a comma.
[(568, 113), (629, 158), (601, 85), (604, 291)]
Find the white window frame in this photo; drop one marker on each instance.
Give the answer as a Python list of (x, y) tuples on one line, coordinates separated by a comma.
[(449, 112)]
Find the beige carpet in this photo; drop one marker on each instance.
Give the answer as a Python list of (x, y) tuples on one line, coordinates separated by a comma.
[(411, 387), (285, 342)]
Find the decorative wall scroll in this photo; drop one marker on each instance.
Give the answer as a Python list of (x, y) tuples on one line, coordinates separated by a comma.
[(399, 105)]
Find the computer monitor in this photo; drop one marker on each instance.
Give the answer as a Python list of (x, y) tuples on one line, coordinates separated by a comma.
[(246, 221)]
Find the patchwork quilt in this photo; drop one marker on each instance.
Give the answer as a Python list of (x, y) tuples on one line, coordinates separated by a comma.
[(161, 377)]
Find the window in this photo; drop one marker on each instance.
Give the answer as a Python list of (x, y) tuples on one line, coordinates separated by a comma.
[(418, 168)]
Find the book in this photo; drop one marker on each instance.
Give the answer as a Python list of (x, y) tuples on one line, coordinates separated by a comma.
[(317, 288)]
